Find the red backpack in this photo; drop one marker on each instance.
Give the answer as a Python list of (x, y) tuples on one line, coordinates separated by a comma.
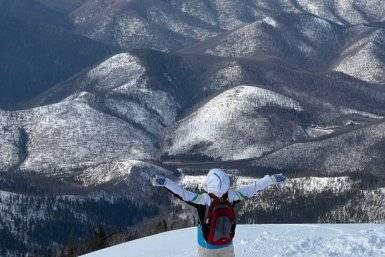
[(219, 221)]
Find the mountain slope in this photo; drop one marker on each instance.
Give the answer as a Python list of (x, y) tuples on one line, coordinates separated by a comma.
[(42, 56), (101, 121), (114, 193), (31, 11), (174, 24), (364, 58), (242, 122), (357, 151), (63, 6), (345, 12), (149, 24), (128, 87), (302, 40), (261, 240)]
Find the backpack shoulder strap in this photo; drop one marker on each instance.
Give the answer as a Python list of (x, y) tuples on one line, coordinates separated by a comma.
[(209, 208), (225, 196), (213, 197)]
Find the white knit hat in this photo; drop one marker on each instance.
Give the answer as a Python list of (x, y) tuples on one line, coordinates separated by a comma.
[(217, 182)]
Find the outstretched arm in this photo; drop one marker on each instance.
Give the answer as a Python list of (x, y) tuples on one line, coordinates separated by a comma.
[(183, 194), (256, 186)]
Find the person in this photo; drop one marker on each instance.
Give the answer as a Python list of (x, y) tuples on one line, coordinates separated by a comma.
[(216, 227)]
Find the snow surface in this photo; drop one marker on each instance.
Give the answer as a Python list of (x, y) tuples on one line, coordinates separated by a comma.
[(309, 240), (271, 21)]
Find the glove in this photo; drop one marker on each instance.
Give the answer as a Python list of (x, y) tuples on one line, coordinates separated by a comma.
[(159, 181), (278, 179)]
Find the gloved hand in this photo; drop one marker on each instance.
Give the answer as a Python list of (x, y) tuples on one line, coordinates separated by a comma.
[(159, 181), (279, 179)]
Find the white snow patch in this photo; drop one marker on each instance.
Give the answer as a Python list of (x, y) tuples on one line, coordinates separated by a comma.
[(361, 113), (319, 131), (107, 172), (270, 21), (120, 69)]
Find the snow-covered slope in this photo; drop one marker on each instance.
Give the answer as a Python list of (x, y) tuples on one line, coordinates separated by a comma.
[(364, 56), (114, 193), (231, 14), (239, 123), (266, 241), (150, 24), (303, 40), (125, 105), (170, 25), (112, 114), (355, 151), (345, 12)]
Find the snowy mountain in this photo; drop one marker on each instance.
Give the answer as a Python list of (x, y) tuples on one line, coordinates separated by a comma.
[(363, 58), (112, 110), (113, 114), (302, 40), (265, 240), (98, 96), (149, 24), (239, 123), (362, 151)]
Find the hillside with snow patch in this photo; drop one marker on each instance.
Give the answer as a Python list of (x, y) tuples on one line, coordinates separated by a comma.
[(220, 128)]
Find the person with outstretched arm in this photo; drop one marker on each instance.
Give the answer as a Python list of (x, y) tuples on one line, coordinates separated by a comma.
[(217, 218)]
